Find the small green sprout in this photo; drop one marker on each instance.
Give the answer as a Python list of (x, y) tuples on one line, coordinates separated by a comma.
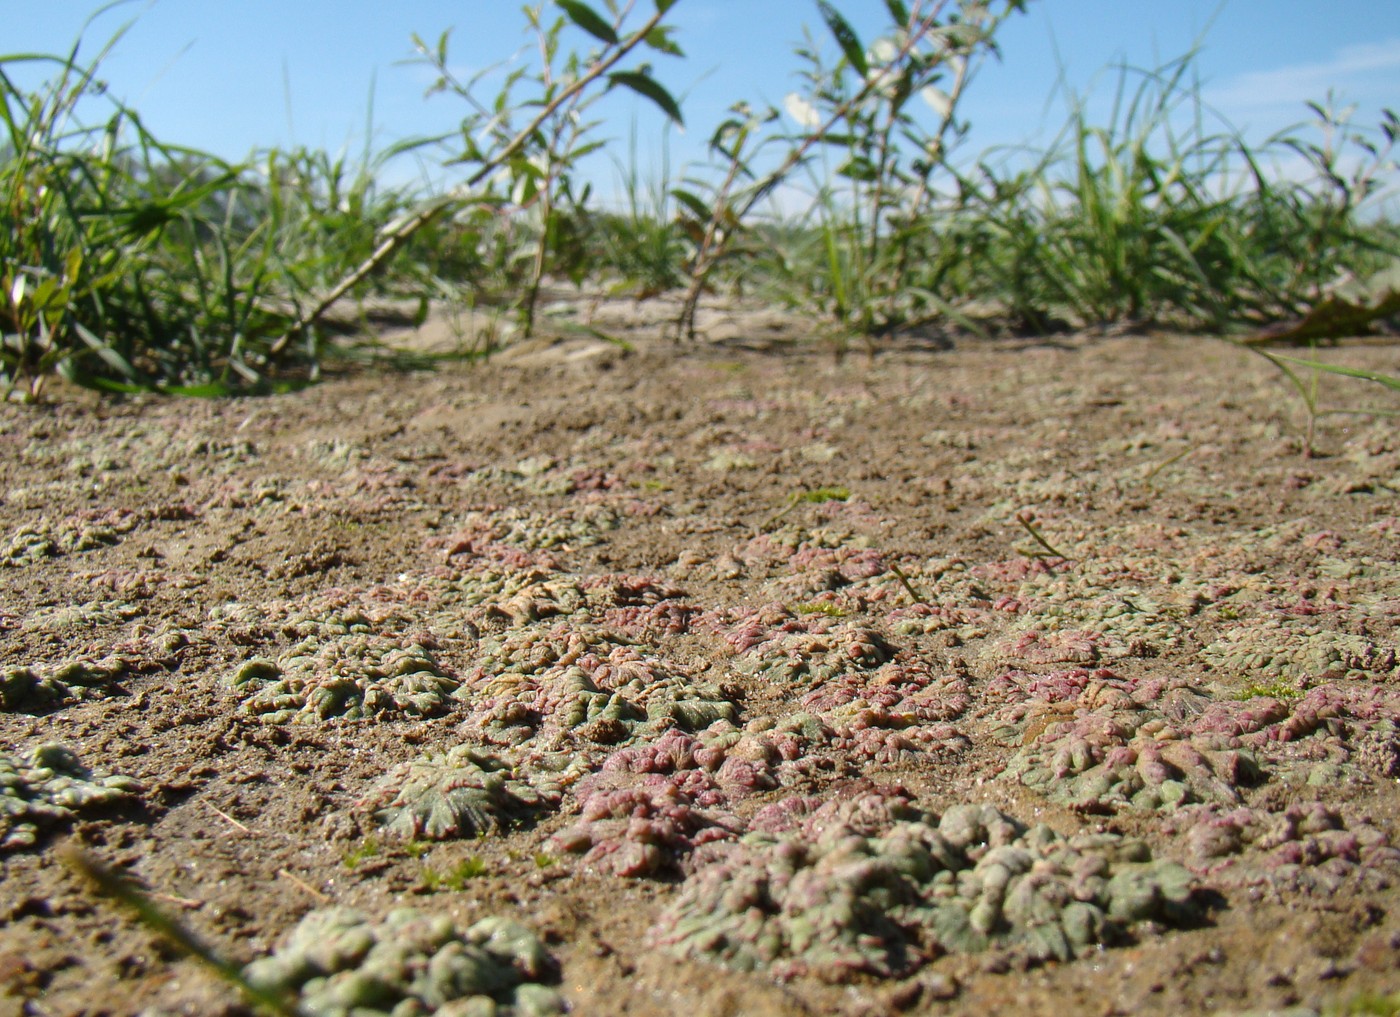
[(456, 877), (355, 857), (823, 494), (816, 496), (821, 607), (1279, 688)]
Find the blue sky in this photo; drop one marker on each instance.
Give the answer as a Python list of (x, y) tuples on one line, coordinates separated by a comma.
[(233, 75)]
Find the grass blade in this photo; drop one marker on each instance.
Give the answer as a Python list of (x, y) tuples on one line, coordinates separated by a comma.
[(1390, 381), (124, 892), (647, 86), (589, 20), (845, 37)]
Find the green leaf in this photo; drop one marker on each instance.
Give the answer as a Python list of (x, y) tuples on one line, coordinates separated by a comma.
[(44, 294), (845, 37), (646, 85), (693, 203), (69, 372), (898, 12), (659, 38), (209, 390), (589, 20), (662, 6), (587, 149), (111, 357), (73, 265), (858, 168), (1349, 310)]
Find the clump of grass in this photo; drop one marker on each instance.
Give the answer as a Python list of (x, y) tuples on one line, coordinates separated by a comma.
[(1163, 213), (89, 219), (131, 263), (871, 217), (640, 250), (1278, 688), (816, 496), (367, 850), (1119, 222), (455, 878)]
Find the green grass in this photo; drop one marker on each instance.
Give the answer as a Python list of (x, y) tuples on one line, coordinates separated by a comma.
[(454, 878), (640, 248), (819, 495), (1164, 214), (366, 850), (1367, 1005), (816, 496), (1282, 689), (130, 262)]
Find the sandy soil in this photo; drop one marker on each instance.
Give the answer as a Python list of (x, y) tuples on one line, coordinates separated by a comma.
[(1094, 583)]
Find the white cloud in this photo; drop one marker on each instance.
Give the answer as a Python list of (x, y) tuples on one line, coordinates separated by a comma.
[(1360, 72)]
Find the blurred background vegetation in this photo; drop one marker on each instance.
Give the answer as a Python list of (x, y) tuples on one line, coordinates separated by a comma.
[(129, 262)]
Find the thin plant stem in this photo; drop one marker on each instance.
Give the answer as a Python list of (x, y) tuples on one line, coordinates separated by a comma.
[(710, 249), (124, 892), (908, 586), (1029, 526)]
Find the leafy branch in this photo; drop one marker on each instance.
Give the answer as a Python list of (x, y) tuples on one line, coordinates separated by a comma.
[(617, 46), (924, 41)]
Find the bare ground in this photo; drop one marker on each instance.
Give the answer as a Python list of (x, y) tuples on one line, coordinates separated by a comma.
[(988, 574)]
